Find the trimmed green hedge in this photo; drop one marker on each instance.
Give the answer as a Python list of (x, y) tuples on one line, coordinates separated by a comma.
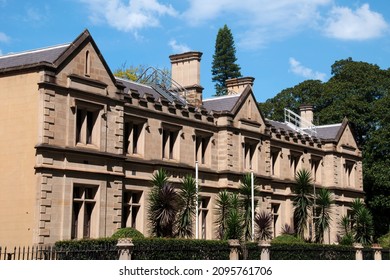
[(144, 249), (87, 249), (280, 251), (180, 249), (128, 232)]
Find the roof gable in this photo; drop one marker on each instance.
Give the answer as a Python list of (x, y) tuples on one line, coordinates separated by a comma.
[(345, 137)]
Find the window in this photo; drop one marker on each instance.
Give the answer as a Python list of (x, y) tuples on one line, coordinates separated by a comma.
[(203, 216), (83, 211), (275, 212), (275, 162), (316, 169), (202, 149), (87, 66), (249, 154), (133, 137), (294, 163), (87, 125), (170, 146), (349, 173), (131, 209)]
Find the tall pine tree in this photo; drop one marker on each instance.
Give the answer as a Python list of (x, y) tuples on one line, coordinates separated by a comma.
[(224, 61)]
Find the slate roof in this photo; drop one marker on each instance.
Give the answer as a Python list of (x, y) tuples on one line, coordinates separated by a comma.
[(142, 89), (30, 58), (324, 132), (218, 104)]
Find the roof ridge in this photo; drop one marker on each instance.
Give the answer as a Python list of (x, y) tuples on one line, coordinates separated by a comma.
[(221, 97), (328, 125), (35, 50)]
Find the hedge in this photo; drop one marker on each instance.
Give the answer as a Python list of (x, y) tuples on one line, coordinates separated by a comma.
[(144, 249), (280, 251)]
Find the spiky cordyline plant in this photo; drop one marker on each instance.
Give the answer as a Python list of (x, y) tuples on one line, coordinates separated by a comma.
[(263, 221), (302, 201), (221, 211), (163, 206), (324, 202), (187, 194), (245, 191)]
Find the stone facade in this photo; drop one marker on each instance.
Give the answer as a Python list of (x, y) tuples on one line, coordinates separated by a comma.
[(79, 147)]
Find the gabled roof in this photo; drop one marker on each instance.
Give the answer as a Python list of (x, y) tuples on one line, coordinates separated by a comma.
[(221, 103), (325, 133), (32, 58), (142, 89)]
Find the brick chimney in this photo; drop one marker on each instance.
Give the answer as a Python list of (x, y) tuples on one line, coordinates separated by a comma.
[(238, 85), (306, 112), (185, 70)]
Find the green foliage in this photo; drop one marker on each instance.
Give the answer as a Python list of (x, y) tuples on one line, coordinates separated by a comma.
[(234, 227), (263, 221), (324, 202), (384, 240), (287, 238), (288, 251), (222, 209), (131, 73), (187, 194), (128, 232), (224, 60), (245, 203), (163, 206), (144, 249), (180, 249), (347, 240), (302, 202), (87, 249)]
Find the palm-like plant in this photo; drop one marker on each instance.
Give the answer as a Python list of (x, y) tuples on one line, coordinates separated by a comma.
[(302, 201), (363, 222), (263, 221), (324, 202), (245, 191), (187, 194), (222, 210), (163, 206), (234, 225)]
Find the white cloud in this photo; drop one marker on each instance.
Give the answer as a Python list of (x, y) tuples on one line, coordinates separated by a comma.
[(297, 68), (259, 20), (361, 24), (130, 15), (4, 38), (178, 48)]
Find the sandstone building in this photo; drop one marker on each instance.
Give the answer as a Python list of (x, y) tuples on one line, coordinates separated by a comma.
[(79, 146)]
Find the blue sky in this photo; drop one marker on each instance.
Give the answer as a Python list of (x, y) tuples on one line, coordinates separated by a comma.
[(279, 42)]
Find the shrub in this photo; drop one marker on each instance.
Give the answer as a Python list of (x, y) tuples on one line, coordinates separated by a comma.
[(347, 240), (287, 238), (128, 232), (384, 240)]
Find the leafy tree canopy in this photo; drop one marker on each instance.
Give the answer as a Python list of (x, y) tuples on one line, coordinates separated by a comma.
[(224, 60)]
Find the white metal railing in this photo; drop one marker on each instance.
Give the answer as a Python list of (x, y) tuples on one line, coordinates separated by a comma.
[(298, 123)]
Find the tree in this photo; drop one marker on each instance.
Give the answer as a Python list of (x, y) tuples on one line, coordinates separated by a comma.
[(322, 212), (163, 206), (302, 201), (245, 192), (187, 194), (224, 64)]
